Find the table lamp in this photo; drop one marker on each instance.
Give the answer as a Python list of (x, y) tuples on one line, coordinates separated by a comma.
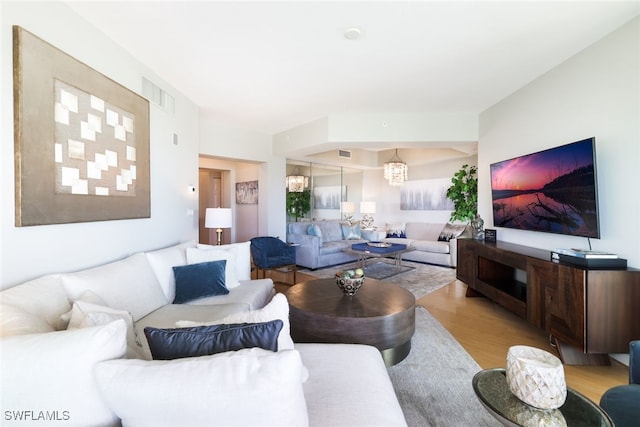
[(348, 208), (218, 218), (366, 209)]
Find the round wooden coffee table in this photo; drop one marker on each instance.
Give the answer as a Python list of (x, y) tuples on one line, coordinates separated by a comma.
[(380, 314)]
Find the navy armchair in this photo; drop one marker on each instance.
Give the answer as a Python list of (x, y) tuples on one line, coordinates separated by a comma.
[(622, 403), (271, 253)]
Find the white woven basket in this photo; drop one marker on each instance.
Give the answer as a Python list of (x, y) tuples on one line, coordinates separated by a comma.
[(536, 377)]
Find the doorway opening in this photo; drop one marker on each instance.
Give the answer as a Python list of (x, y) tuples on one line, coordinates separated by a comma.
[(211, 184)]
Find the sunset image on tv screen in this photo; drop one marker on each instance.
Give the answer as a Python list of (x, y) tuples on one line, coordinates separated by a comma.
[(552, 191)]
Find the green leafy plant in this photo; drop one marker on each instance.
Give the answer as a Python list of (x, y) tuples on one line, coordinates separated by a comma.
[(464, 194), (298, 203)]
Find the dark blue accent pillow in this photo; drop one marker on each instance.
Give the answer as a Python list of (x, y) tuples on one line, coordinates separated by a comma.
[(397, 235), (168, 344), (195, 281)]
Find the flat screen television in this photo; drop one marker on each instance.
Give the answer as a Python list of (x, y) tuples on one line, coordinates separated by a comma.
[(552, 191)]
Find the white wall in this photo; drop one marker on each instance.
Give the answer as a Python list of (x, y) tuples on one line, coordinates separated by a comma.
[(370, 129), (387, 198), (410, 130), (403, 127), (370, 185), (247, 216), (595, 93), (28, 252)]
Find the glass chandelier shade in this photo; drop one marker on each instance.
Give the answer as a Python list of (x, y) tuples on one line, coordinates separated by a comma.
[(395, 170), (297, 183)]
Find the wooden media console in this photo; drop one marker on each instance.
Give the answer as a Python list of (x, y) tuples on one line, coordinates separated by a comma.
[(588, 313)]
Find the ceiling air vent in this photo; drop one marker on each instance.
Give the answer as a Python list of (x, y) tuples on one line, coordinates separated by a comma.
[(344, 154), (158, 96)]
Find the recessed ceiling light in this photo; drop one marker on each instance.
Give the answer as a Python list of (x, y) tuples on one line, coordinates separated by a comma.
[(352, 33)]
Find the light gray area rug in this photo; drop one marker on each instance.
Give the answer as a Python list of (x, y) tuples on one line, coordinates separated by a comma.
[(433, 383), (421, 280)]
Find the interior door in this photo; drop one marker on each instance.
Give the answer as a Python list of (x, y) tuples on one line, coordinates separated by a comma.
[(210, 196)]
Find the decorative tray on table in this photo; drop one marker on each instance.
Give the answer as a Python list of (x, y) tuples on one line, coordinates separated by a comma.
[(379, 244)]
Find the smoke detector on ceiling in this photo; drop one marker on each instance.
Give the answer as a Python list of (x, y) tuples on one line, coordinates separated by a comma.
[(352, 33)]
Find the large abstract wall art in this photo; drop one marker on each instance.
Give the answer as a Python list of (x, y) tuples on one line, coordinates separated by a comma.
[(81, 140), (247, 193), (329, 197), (427, 194)]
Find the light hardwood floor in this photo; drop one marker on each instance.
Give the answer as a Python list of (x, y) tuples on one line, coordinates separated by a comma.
[(486, 331)]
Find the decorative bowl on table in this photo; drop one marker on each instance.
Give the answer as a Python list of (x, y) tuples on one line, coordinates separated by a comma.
[(379, 244), (536, 377), (349, 281)]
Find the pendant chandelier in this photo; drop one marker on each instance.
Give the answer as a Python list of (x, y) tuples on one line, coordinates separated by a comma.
[(395, 170), (297, 183)]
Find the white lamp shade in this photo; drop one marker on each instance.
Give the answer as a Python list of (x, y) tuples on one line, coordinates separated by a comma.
[(368, 207), (348, 207), (218, 218)]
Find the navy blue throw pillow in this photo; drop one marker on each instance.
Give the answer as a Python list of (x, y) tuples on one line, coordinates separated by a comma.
[(400, 235), (168, 344), (200, 280)]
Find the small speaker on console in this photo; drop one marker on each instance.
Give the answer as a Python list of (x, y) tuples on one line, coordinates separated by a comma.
[(490, 235)]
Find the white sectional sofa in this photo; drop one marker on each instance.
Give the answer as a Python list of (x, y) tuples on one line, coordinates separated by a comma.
[(73, 352)]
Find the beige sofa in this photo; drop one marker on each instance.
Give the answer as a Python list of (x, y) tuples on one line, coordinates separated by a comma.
[(423, 237), (74, 353)]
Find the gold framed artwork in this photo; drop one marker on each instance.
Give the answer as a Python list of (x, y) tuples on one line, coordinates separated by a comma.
[(81, 140)]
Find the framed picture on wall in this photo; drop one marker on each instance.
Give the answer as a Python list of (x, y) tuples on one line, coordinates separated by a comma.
[(426, 195), (81, 140), (247, 193), (328, 197)]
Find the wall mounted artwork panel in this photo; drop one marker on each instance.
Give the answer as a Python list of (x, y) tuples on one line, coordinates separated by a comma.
[(328, 197), (81, 140), (427, 194), (247, 193)]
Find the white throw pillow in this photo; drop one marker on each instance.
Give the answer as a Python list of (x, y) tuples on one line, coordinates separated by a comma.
[(250, 387), (16, 321), (278, 308), (162, 262), (86, 314), (243, 257), (197, 256), (44, 297), (54, 372), (129, 284)]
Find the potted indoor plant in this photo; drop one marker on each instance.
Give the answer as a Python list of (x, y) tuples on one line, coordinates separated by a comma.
[(464, 194), (298, 203)]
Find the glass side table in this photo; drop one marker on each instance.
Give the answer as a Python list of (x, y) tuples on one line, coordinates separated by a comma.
[(492, 390)]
